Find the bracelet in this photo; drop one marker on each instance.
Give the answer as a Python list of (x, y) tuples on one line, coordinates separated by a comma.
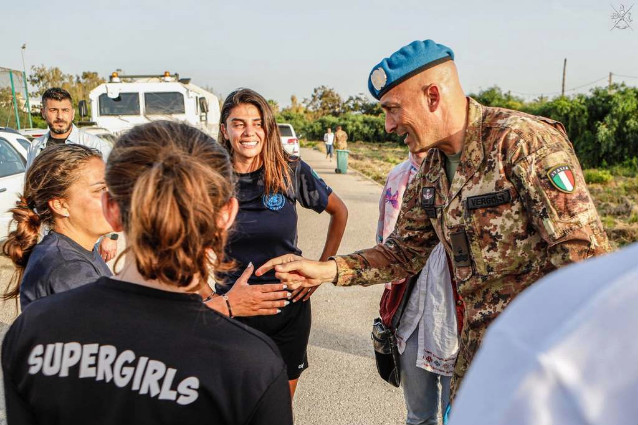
[(230, 312)]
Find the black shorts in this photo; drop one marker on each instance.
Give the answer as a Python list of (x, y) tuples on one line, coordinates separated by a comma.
[(290, 330)]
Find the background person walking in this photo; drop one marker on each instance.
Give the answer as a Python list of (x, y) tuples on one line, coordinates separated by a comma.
[(329, 138)]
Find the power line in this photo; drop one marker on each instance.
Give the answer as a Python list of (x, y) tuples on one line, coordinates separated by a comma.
[(588, 84), (570, 89)]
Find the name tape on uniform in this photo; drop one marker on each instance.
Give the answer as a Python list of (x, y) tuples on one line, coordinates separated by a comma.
[(489, 200)]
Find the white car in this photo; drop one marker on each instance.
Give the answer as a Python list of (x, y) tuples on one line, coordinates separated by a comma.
[(33, 133), (289, 139), (102, 133), (13, 159), (17, 140)]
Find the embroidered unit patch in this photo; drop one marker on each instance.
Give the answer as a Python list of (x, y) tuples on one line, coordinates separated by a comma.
[(562, 178), (427, 201), (274, 201)]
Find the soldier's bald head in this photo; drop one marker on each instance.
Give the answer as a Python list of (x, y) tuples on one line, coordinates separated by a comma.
[(418, 88)]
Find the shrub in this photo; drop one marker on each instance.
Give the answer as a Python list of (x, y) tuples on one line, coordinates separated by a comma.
[(598, 176)]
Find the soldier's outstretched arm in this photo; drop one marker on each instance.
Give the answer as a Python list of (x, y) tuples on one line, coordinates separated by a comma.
[(403, 254)]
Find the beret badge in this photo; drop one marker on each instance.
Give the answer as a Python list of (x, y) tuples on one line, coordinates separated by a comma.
[(378, 78)]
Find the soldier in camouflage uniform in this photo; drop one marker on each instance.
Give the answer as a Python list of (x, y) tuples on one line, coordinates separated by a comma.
[(341, 139), (516, 208)]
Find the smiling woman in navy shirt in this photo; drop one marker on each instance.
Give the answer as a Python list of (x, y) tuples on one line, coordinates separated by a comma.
[(270, 183)]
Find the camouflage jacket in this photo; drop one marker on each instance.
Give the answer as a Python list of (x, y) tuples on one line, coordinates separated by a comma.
[(341, 140), (517, 209)]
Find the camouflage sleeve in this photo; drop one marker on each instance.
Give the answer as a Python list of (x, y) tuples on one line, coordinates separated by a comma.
[(404, 253), (552, 187)]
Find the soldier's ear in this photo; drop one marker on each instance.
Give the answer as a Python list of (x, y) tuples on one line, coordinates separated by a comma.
[(433, 95)]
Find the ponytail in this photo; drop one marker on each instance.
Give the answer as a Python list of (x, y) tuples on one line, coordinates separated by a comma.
[(20, 242), (171, 183)]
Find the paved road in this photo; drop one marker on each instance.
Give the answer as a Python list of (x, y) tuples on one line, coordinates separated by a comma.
[(341, 386)]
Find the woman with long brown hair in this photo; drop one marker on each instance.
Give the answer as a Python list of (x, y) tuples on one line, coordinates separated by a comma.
[(142, 347), (270, 183), (62, 192)]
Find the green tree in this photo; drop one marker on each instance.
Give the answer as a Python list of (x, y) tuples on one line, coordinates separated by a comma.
[(360, 104), (494, 96), (274, 105), (78, 86), (324, 101), (617, 132), (87, 82), (43, 77)]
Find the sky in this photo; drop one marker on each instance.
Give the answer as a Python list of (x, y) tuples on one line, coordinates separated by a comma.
[(283, 47)]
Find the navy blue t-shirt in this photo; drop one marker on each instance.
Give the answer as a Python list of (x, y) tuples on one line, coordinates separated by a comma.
[(58, 264), (266, 226)]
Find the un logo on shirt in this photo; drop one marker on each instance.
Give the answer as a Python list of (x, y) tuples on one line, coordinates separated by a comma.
[(274, 201)]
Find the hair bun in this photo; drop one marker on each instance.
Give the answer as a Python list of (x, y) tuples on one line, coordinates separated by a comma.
[(172, 159)]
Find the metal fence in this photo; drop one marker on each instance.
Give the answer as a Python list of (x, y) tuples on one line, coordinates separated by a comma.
[(14, 99)]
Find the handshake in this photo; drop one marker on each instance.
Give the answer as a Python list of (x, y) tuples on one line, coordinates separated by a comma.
[(299, 279)]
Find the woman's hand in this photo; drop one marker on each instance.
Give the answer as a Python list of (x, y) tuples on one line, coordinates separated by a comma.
[(252, 300), (107, 249)]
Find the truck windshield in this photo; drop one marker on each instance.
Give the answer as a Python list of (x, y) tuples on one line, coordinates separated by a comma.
[(164, 103), (124, 104)]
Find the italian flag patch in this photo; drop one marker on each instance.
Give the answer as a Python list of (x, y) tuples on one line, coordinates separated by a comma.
[(562, 178)]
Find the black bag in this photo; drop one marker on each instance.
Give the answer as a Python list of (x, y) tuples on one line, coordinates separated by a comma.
[(386, 353), (384, 340)]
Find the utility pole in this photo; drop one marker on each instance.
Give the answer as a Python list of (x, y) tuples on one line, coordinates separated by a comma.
[(609, 87), (26, 90), (562, 93)]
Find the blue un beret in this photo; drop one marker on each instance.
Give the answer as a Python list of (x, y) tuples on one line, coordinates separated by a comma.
[(406, 62)]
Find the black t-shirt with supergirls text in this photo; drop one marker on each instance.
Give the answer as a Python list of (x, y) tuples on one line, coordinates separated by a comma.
[(113, 352)]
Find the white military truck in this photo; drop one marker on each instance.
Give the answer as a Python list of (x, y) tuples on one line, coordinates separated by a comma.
[(128, 100)]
